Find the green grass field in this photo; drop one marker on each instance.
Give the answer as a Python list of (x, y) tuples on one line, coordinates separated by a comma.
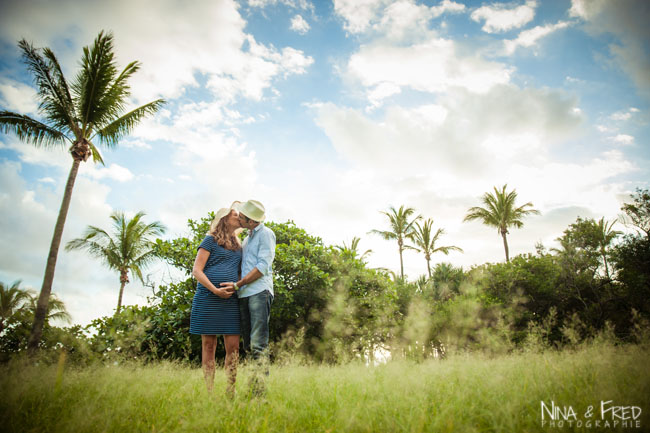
[(463, 393)]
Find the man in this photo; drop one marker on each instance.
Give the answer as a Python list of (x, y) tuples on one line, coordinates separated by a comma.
[(255, 288)]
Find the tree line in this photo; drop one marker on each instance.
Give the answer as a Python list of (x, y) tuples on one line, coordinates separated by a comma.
[(330, 306)]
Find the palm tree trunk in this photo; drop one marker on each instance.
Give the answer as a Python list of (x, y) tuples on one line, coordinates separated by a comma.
[(401, 264), (429, 267), (124, 278), (119, 299), (605, 261), (46, 289), (505, 245)]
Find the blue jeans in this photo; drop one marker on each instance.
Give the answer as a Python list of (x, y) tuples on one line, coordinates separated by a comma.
[(254, 314)]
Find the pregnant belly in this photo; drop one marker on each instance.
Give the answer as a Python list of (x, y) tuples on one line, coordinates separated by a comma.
[(221, 274)]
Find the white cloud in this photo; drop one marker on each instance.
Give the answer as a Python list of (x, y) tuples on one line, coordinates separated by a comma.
[(573, 80), (404, 20), (501, 17), (258, 71), (358, 14), (465, 133), (298, 24), (623, 139), (624, 115), (586, 9), (529, 38), (196, 114), (58, 156), (294, 61), (18, 97), (447, 6), (131, 143), (113, 171), (604, 128), (431, 66), (296, 4), (384, 90), (621, 116), (393, 19)]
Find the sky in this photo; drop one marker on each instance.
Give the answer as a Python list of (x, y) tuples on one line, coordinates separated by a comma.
[(329, 112)]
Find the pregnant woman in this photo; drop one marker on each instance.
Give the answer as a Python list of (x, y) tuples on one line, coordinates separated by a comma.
[(215, 310)]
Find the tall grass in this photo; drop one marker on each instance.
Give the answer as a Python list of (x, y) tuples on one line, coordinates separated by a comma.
[(466, 393)]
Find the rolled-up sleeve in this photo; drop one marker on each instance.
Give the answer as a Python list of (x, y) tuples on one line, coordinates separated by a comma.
[(266, 252)]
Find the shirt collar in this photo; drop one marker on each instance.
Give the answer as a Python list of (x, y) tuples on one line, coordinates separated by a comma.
[(258, 228)]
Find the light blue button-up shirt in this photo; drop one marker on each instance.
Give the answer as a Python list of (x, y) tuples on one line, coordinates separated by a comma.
[(258, 252)]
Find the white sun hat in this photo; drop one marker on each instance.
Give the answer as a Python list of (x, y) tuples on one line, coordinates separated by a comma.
[(224, 211), (253, 209)]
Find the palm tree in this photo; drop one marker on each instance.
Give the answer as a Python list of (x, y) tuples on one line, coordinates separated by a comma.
[(425, 242), (129, 248), (400, 229), (13, 300), (18, 304), (447, 279), (55, 311), (352, 251), (500, 212), (92, 108), (605, 237)]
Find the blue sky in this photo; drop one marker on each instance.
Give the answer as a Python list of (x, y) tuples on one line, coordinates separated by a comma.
[(329, 112)]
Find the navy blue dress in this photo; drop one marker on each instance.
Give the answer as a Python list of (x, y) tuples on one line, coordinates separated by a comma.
[(212, 315)]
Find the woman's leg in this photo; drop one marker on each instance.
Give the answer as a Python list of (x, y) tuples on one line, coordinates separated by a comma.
[(209, 347), (232, 359)]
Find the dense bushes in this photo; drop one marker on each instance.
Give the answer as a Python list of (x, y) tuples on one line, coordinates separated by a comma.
[(309, 279)]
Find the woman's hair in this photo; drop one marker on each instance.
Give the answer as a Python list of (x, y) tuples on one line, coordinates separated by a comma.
[(219, 232)]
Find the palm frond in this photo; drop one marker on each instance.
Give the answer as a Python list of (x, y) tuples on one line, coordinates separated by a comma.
[(12, 298), (98, 243), (65, 107), (30, 130), (56, 310), (476, 213), (63, 316), (410, 225), (120, 90), (119, 128), (386, 235), (446, 250), (55, 102), (97, 156), (521, 210), (93, 81)]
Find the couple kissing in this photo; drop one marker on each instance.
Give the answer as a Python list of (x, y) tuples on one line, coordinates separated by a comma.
[(234, 292)]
